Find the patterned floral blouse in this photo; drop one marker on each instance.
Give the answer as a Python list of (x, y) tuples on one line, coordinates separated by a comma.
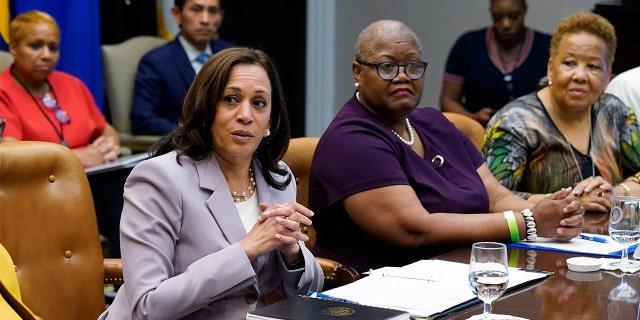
[(526, 152)]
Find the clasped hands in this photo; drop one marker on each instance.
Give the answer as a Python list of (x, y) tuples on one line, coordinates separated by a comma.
[(559, 227), (101, 150), (278, 226), (595, 194)]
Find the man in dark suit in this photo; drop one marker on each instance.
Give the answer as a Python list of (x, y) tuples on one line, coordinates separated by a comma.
[(165, 73)]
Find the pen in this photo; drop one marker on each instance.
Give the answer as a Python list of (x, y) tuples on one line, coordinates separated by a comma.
[(594, 238), (314, 294)]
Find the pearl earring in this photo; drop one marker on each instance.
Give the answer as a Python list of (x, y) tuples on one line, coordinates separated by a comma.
[(267, 133), (357, 85)]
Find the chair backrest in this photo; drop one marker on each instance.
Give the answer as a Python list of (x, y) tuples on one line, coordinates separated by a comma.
[(6, 59), (298, 158), (120, 62), (472, 128), (48, 225)]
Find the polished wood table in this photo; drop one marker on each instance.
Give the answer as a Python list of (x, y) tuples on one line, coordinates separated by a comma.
[(565, 295)]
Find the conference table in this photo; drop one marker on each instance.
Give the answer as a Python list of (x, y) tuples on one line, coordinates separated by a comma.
[(566, 294)]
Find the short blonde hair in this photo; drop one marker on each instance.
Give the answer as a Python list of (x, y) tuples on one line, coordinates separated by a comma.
[(18, 24), (590, 23)]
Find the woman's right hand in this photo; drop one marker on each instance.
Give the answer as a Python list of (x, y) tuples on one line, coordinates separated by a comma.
[(595, 194), (279, 226), (595, 201), (560, 216), (98, 152)]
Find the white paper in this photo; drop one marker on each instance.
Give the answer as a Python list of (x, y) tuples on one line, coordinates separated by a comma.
[(423, 288), (576, 245), (606, 265)]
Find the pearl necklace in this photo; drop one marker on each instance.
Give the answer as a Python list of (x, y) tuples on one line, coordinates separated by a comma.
[(412, 136), (243, 196)]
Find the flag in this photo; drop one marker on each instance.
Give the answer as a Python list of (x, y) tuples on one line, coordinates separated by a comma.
[(167, 26), (4, 25), (79, 22)]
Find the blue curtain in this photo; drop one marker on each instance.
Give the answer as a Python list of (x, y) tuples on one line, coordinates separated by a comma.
[(4, 25), (79, 22)]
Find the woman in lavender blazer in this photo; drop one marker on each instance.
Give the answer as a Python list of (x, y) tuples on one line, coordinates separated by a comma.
[(210, 224)]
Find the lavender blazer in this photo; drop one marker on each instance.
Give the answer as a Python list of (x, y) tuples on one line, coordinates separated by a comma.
[(181, 256)]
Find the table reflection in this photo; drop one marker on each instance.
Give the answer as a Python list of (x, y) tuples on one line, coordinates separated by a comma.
[(570, 299), (565, 295), (623, 299)]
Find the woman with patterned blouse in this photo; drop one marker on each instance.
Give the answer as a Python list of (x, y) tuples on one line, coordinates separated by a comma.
[(569, 133)]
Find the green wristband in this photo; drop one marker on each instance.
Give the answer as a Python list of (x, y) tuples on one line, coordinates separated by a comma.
[(513, 226)]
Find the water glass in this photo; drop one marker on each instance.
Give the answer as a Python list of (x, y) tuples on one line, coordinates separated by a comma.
[(488, 272), (624, 227)]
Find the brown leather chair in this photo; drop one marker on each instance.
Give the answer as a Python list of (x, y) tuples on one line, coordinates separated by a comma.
[(336, 274), (298, 158), (48, 225), (472, 128)]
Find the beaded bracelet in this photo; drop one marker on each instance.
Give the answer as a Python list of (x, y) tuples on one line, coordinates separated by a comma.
[(530, 222), (513, 226)]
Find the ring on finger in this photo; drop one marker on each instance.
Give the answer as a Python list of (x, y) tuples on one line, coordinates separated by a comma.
[(599, 194)]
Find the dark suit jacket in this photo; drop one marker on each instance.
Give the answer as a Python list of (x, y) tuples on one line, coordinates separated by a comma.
[(163, 78)]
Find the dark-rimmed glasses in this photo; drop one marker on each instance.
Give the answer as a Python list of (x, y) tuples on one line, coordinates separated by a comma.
[(388, 70)]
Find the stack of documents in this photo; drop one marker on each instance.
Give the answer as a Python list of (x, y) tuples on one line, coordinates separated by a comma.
[(426, 288)]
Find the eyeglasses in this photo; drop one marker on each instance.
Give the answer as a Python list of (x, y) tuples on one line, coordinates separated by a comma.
[(388, 70), (50, 102)]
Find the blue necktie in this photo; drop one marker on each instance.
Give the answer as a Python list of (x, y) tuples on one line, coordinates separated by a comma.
[(203, 57)]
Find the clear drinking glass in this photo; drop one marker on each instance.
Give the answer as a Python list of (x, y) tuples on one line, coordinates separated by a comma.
[(488, 272), (624, 227)]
